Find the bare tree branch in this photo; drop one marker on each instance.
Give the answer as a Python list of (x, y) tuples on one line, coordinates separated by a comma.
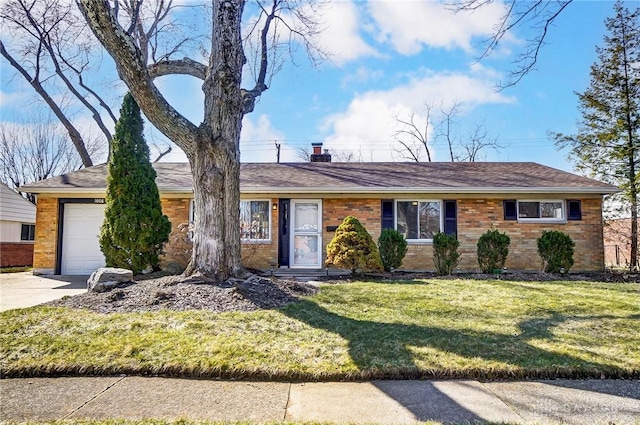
[(184, 66), (162, 154), (74, 134), (32, 150), (123, 48), (414, 140), (539, 14)]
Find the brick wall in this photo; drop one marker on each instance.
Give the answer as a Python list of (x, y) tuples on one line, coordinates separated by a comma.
[(16, 254), (262, 255), (178, 249), (367, 211), (45, 244), (475, 217)]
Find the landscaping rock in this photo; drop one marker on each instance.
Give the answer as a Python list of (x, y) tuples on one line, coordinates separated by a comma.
[(107, 278)]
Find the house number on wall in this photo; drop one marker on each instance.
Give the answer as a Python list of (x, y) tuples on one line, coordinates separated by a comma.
[(98, 201)]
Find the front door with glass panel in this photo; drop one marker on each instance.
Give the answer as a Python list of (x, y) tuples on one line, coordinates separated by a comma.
[(306, 234)]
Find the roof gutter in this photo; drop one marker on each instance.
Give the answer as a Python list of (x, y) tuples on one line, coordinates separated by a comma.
[(444, 190), (359, 190), (80, 190)]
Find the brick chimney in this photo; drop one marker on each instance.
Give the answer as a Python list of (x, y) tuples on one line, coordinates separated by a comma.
[(317, 155)]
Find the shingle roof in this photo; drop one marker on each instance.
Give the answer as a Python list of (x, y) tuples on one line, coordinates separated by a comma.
[(365, 177)]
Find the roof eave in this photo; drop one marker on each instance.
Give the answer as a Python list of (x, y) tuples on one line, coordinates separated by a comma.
[(389, 190), (76, 190), (359, 190)]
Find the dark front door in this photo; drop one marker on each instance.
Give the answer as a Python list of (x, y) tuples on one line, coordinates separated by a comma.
[(283, 232)]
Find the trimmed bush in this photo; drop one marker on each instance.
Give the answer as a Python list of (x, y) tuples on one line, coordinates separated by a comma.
[(134, 229), (493, 249), (556, 251), (445, 253), (393, 247), (353, 248)]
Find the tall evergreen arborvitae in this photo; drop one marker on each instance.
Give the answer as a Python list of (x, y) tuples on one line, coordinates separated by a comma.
[(134, 228), (607, 145)]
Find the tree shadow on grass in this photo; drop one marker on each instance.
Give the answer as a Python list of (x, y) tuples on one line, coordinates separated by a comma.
[(391, 350)]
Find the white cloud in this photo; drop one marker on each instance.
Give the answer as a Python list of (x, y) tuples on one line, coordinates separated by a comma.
[(257, 143), (340, 35), (12, 99), (258, 139), (368, 125), (362, 75), (410, 25)]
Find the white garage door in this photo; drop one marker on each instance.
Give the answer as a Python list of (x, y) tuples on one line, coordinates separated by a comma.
[(80, 247)]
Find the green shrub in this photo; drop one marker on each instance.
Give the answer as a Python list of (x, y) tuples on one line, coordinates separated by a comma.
[(493, 249), (445, 253), (134, 229), (393, 247), (556, 250), (353, 248)]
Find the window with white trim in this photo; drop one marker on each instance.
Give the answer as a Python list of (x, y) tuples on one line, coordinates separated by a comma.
[(541, 210), (418, 220), (255, 220)]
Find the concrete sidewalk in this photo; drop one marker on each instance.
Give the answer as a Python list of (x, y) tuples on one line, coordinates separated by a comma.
[(579, 402)]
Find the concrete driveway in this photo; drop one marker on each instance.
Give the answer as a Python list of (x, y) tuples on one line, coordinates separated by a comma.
[(19, 290)]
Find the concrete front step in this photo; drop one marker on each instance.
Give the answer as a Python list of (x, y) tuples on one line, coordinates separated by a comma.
[(305, 274)]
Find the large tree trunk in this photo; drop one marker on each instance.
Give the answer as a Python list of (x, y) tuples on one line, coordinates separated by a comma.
[(216, 244), (213, 147), (215, 161)]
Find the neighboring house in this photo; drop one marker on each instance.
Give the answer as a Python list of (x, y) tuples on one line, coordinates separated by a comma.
[(617, 242), (289, 212), (17, 228)]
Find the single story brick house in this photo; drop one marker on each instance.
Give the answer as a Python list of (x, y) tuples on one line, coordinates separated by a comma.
[(17, 228), (289, 211)]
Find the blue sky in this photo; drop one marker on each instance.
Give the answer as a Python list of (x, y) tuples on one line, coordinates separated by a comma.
[(391, 57)]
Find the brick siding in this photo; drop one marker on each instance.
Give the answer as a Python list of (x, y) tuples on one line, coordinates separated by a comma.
[(262, 255), (475, 216), (16, 254), (259, 255), (178, 248), (45, 245)]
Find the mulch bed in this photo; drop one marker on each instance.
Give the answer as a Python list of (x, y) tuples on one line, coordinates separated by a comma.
[(180, 294)]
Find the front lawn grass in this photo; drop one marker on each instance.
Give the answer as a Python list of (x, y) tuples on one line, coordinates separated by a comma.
[(436, 328)]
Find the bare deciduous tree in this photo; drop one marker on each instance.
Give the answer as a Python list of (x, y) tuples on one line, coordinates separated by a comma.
[(36, 149), (49, 44), (538, 14), (413, 137), (416, 140), (213, 146), (33, 26)]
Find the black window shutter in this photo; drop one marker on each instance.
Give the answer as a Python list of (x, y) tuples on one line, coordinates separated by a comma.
[(387, 214), (451, 218), (575, 209), (510, 207)]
